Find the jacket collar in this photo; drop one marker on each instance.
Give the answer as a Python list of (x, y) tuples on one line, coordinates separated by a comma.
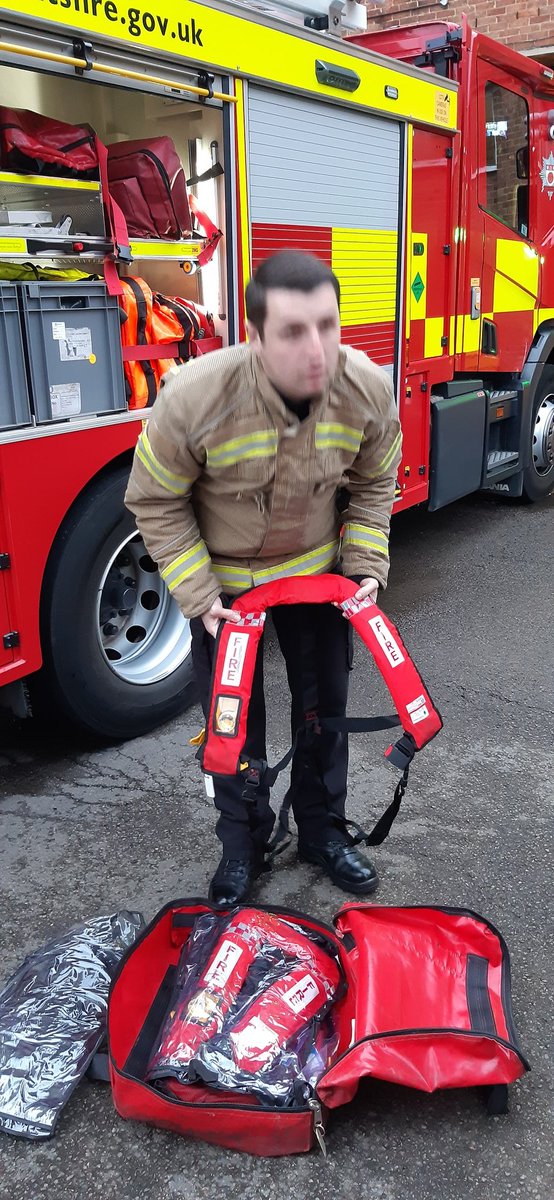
[(276, 406)]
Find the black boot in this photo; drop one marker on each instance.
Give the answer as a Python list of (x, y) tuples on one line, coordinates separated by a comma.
[(233, 880), (346, 866)]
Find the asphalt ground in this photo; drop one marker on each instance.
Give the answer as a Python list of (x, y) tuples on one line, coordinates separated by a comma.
[(87, 830)]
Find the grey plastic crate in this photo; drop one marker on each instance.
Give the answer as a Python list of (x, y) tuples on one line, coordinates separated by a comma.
[(74, 349), (14, 394)]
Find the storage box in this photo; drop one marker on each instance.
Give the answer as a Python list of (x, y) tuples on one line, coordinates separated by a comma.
[(14, 395), (74, 349)]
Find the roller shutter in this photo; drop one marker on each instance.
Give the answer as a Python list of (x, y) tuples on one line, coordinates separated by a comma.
[(326, 179)]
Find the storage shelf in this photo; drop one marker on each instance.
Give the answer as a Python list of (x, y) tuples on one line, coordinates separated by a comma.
[(187, 250), (37, 191), (50, 247), (35, 246), (48, 181)]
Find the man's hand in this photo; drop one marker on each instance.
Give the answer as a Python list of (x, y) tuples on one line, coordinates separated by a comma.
[(218, 613), (368, 587)]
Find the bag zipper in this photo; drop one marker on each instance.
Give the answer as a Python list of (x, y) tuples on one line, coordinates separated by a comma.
[(424, 1032), (319, 1128)]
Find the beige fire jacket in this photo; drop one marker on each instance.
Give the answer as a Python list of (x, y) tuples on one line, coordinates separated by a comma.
[(230, 490)]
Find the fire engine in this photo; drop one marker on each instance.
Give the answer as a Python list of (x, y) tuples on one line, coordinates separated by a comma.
[(418, 162)]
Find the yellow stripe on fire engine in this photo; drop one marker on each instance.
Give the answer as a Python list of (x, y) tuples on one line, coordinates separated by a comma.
[(409, 191), (365, 263), (516, 279), (244, 231), (236, 42)]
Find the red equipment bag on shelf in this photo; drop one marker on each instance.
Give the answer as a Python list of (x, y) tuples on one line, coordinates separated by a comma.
[(197, 324), (426, 1004), (147, 180), (37, 145), (203, 322)]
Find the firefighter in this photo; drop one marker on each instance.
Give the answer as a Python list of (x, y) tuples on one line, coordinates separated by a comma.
[(266, 460)]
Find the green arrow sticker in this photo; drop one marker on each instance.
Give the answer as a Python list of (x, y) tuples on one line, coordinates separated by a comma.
[(418, 287)]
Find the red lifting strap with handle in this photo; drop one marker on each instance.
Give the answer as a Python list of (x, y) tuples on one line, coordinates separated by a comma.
[(236, 659)]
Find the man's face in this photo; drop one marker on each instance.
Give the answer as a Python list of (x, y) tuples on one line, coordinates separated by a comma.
[(299, 349)]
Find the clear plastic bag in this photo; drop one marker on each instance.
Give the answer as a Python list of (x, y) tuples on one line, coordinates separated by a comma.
[(249, 1011), (53, 1019)]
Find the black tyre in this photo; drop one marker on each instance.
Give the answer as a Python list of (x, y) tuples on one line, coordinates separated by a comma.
[(116, 648), (538, 479)]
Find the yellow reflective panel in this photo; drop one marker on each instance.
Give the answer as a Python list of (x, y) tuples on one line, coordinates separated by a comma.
[(510, 297), (515, 261), (434, 330), (518, 261), (472, 335), (365, 262), (408, 216), (244, 231), (417, 279), (543, 314)]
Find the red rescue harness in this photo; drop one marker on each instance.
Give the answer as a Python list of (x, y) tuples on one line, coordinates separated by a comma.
[(237, 647)]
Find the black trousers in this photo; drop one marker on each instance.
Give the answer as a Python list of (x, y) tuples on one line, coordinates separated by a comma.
[(316, 644)]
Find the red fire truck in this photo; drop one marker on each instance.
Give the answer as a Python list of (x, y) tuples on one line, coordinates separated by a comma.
[(418, 162)]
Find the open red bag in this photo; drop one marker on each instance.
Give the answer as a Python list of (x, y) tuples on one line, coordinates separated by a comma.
[(427, 1005)]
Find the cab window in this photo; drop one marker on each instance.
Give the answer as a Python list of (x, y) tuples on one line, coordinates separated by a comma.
[(507, 157)]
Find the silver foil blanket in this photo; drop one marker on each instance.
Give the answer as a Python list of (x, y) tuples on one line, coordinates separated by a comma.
[(53, 1018)]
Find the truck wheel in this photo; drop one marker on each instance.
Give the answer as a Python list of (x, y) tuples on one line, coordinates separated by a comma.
[(538, 479), (116, 647)]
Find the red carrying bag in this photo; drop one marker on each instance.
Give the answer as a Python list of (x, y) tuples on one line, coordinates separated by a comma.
[(147, 180), (426, 1004), (199, 336), (37, 145)]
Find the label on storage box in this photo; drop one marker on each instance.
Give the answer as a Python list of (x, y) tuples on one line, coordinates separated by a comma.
[(74, 344), (65, 399)]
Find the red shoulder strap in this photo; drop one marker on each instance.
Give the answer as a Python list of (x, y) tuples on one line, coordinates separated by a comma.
[(213, 234), (236, 659)]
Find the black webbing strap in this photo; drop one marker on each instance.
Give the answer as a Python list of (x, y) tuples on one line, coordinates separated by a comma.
[(359, 724), (382, 828), (211, 173), (258, 770), (283, 837)]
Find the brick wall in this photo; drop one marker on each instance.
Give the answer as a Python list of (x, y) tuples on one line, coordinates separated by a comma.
[(522, 24)]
